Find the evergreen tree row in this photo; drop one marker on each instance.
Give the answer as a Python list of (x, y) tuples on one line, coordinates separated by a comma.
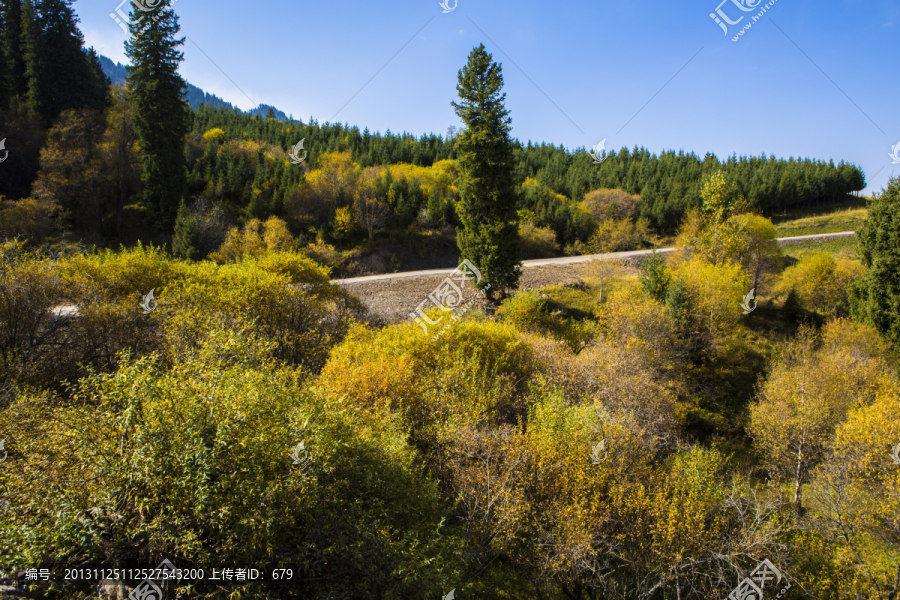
[(44, 64), (669, 183)]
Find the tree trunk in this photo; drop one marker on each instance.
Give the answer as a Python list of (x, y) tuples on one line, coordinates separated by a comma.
[(798, 480)]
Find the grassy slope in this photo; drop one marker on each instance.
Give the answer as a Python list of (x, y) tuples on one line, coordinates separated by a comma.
[(844, 216)]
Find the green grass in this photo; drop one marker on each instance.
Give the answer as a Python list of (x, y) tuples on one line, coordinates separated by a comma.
[(838, 246), (574, 301), (844, 216)]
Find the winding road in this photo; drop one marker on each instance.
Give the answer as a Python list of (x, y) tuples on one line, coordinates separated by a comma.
[(565, 260)]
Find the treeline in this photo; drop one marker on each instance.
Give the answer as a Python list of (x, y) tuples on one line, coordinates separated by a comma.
[(368, 149), (669, 184)]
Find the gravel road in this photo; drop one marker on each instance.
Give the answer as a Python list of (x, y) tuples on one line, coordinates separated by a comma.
[(393, 296)]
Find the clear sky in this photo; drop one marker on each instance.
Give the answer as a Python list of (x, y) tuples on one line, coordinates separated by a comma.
[(810, 78)]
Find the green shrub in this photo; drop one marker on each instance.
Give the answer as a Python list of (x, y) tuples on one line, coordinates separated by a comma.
[(821, 281), (401, 367), (537, 242), (194, 463), (619, 235), (654, 277)]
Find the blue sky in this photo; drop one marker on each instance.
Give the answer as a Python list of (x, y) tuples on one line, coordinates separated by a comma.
[(811, 78)]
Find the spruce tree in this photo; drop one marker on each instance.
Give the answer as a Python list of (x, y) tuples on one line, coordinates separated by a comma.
[(875, 296), (489, 236), (161, 115), (5, 88), (13, 48), (32, 57), (186, 241), (97, 92), (66, 73)]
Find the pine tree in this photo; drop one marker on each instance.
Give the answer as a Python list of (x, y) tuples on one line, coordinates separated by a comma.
[(489, 237), (98, 95), (875, 297), (67, 75), (186, 241), (655, 277), (5, 87), (13, 48), (32, 57), (161, 115)]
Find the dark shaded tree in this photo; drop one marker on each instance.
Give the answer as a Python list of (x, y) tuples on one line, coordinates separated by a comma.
[(875, 296), (160, 111)]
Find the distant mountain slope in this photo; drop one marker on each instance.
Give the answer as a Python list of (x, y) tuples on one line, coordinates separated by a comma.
[(195, 96)]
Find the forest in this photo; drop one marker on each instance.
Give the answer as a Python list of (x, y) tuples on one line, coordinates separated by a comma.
[(183, 380)]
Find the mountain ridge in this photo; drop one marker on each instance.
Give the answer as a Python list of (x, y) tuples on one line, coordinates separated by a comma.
[(195, 96)]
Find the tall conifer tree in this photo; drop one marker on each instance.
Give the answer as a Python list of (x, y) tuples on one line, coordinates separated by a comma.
[(489, 237), (32, 57), (13, 48), (161, 115), (5, 87), (875, 296), (67, 78)]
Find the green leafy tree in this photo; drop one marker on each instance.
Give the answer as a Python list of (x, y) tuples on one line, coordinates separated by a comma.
[(160, 112), (875, 297), (487, 208)]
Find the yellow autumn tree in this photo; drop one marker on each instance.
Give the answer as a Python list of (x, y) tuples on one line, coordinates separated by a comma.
[(857, 493), (758, 253), (821, 280), (255, 239), (214, 135), (713, 295), (815, 381), (336, 174)]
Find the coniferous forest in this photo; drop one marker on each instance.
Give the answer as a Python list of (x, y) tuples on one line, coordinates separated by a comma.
[(183, 382)]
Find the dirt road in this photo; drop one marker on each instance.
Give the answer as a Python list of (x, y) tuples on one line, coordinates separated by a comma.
[(393, 296)]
